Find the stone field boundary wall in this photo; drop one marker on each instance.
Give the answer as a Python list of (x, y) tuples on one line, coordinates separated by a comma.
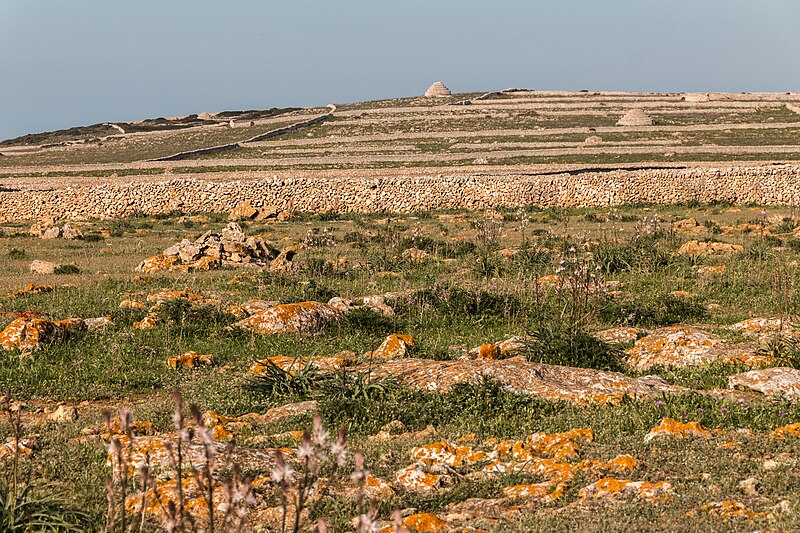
[(763, 185)]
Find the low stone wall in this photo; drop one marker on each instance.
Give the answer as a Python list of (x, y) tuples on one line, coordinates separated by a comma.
[(764, 185)]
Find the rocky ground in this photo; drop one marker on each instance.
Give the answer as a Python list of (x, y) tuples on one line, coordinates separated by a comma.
[(512, 370)]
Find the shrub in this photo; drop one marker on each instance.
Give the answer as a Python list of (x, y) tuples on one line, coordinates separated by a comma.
[(558, 344), (368, 321), (93, 237), (457, 301), (66, 269), (16, 253)]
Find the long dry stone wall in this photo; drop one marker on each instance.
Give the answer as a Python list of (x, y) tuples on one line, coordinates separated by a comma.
[(765, 185)]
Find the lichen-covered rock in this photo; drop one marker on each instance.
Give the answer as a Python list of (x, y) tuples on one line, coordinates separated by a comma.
[(682, 346), (293, 364), (394, 346), (619, 490), (769, 381), (709, 248), (578, 385), (789, 430), (303, 317), (251, 307), (728, 509), (30, 289), (765, 328), (672, 428), (42, 267), (688, 226), (190, 360), (710, 270), (501, 350), (28, 334)]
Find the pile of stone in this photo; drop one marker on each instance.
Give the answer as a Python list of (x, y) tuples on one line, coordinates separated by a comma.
[(635, 117), (438, 89), (48, 229), (212, 250)]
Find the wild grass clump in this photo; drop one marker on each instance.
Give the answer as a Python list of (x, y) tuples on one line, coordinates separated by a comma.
[(453, 300), (26, 502), (651, 311), (304, 381)]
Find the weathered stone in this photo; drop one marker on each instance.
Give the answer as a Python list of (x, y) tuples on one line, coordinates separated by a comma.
[(303, 317), (770, 381), (579, 385), (42, 267)]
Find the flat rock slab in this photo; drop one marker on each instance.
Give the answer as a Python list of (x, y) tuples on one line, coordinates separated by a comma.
[(552, 382), (769, 381)]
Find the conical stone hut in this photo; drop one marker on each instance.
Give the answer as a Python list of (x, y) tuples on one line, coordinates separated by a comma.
[(437, 89), (635, 117)]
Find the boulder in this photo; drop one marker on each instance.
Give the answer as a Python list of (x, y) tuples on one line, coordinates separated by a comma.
[(552, 382), (769, 381), (303, 317), (42, 267)]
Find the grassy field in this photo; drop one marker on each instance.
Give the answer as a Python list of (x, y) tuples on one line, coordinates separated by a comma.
[(479, 280)]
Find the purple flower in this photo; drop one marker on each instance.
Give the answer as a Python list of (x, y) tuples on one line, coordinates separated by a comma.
[(782, 413), (724, 410), (659, 403), (700, 410)]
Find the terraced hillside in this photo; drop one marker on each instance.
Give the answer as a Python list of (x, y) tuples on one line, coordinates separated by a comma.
[(506, 130)]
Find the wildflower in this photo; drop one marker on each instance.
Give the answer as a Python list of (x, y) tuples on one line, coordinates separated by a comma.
[(320, 435), (360, 473), (724, 410), (782, 413), (659, 403)]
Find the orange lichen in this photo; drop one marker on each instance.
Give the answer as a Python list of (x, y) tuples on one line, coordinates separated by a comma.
[(791, 430), (618, 489), (29, 290), (131, 304), (250, 308), (729, 509), (709, 248), (394, 346), (425, 523), (673, 428), (190, 360), (28, 334), (710, 270), (293, 364), (148, 322), (303, 317), (412, 478)]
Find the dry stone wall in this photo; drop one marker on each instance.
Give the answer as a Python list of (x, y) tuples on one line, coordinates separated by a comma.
[(765, 185)]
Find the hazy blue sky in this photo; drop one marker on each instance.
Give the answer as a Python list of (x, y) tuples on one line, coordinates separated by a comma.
[(72, 62)]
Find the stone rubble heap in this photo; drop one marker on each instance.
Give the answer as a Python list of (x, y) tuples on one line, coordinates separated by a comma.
[(212, 250)]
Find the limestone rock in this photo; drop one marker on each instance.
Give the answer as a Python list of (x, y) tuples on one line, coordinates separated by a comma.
[(28, 334), (42, 267), (64, 413), (682, 346), (579, 385), (769, 381), (243, 211), (303, 317), (672, 428), (709, 248)]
